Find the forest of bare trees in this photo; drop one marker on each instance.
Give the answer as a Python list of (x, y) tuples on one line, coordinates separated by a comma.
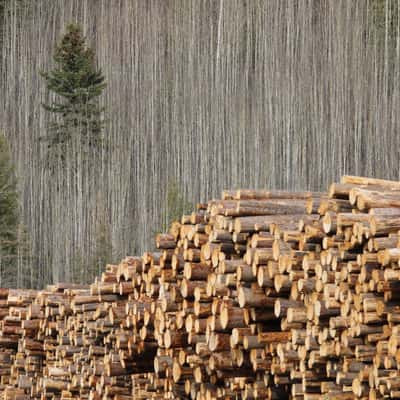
[(209, 94)]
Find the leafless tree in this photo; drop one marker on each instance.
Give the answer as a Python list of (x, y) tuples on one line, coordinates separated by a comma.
[(209, 93)]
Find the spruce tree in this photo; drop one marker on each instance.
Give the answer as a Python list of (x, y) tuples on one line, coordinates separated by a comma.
[(9, 218), (76, 157), (78, 83)]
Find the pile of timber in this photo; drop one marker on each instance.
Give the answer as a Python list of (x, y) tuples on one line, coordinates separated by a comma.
[(13, 313), (258, 295)]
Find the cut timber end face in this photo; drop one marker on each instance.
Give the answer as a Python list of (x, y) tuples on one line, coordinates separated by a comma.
[(258, 295)]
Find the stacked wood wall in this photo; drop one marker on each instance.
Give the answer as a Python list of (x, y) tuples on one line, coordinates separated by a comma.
[(257, 295)]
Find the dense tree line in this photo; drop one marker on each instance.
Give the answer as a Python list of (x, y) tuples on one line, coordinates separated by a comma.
[(209, 94)]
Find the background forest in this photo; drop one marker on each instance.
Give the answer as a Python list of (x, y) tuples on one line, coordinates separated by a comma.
[(201, 95)]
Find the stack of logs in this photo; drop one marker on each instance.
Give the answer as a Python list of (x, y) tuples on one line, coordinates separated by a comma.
[(258, 295)]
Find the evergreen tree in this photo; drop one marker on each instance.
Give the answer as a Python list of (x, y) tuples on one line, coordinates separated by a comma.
[(10, 229), (176, 205), (76, 155), (78, 83)]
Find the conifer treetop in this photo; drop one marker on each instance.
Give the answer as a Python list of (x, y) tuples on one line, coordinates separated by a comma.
[(76, 77), (77, 82)]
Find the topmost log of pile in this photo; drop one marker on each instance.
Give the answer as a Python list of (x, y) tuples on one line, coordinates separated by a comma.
[(257, 295)]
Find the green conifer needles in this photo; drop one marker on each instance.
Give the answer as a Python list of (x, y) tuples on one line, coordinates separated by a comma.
[(78, 83)]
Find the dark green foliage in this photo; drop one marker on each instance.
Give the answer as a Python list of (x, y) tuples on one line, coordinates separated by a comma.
[(78, 84), (384, 17), (385, 14), (177, 205), (85, 268), (13, 243), (2, 7), (101, 253), (102, 248), (8, 197)]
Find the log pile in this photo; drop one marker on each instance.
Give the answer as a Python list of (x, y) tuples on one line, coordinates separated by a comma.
[(257, 295)]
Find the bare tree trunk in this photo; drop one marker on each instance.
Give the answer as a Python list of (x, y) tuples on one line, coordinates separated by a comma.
[(211, 94)]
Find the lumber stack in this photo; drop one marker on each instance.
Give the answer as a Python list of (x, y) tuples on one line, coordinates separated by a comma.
[(14, 305), (257, 295)]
